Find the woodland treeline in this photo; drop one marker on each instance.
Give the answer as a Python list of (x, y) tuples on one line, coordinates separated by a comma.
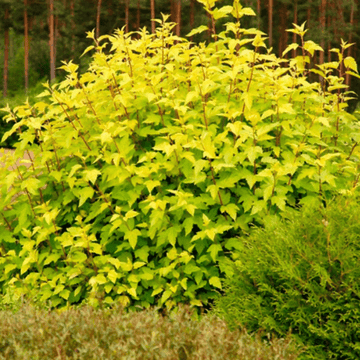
[(36, 35)]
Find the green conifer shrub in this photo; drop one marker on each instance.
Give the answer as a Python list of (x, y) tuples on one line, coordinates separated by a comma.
[(301, 275), (147, 168)]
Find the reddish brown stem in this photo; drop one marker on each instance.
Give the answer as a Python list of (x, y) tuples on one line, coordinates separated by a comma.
[(7, 222)]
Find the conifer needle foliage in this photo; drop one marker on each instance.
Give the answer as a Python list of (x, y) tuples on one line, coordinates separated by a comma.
[(147, 168), (301, 276)]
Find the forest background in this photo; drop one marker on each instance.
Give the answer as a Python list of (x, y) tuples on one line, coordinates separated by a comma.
[(38, 34)]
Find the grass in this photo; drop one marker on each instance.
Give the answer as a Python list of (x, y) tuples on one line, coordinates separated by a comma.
[(86, 333)]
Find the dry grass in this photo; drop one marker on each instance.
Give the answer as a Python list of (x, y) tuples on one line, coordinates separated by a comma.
[(86, 333)]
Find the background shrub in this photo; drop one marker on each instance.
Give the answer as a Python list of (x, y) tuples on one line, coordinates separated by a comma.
[(301, 275)]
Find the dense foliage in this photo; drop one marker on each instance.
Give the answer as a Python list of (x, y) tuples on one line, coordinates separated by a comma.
[(145, 170), (301, 275)]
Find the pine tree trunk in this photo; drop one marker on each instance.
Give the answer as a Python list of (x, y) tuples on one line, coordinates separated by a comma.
[(209, 26), (31, 24), (152, 9), (322, 26), (340, 12), (6, 53), (126, 16), (172, 11), (26, 46), (192, 16), (322, 42), (294, 53), (52, 41), (283, 33), (329, 21), (312, 76), (72, 27), (348, 78), (271, 6), (98, 19), (138, 17), (56, 33), (110, 8), (178, 17), (258, 14), (356, 21)]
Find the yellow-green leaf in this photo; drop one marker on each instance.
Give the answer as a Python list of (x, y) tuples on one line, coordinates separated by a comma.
[(64, 294), (31, 185), (85, 193), (289, 48), (191, 95), (130, 214), (112, 276), (350, 63), (157, 291), (198, 30), (105, 137), (132, 236), (87, 50), (222, 12), (215, 281), (196, 302), (132, 292), (91, 175)]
